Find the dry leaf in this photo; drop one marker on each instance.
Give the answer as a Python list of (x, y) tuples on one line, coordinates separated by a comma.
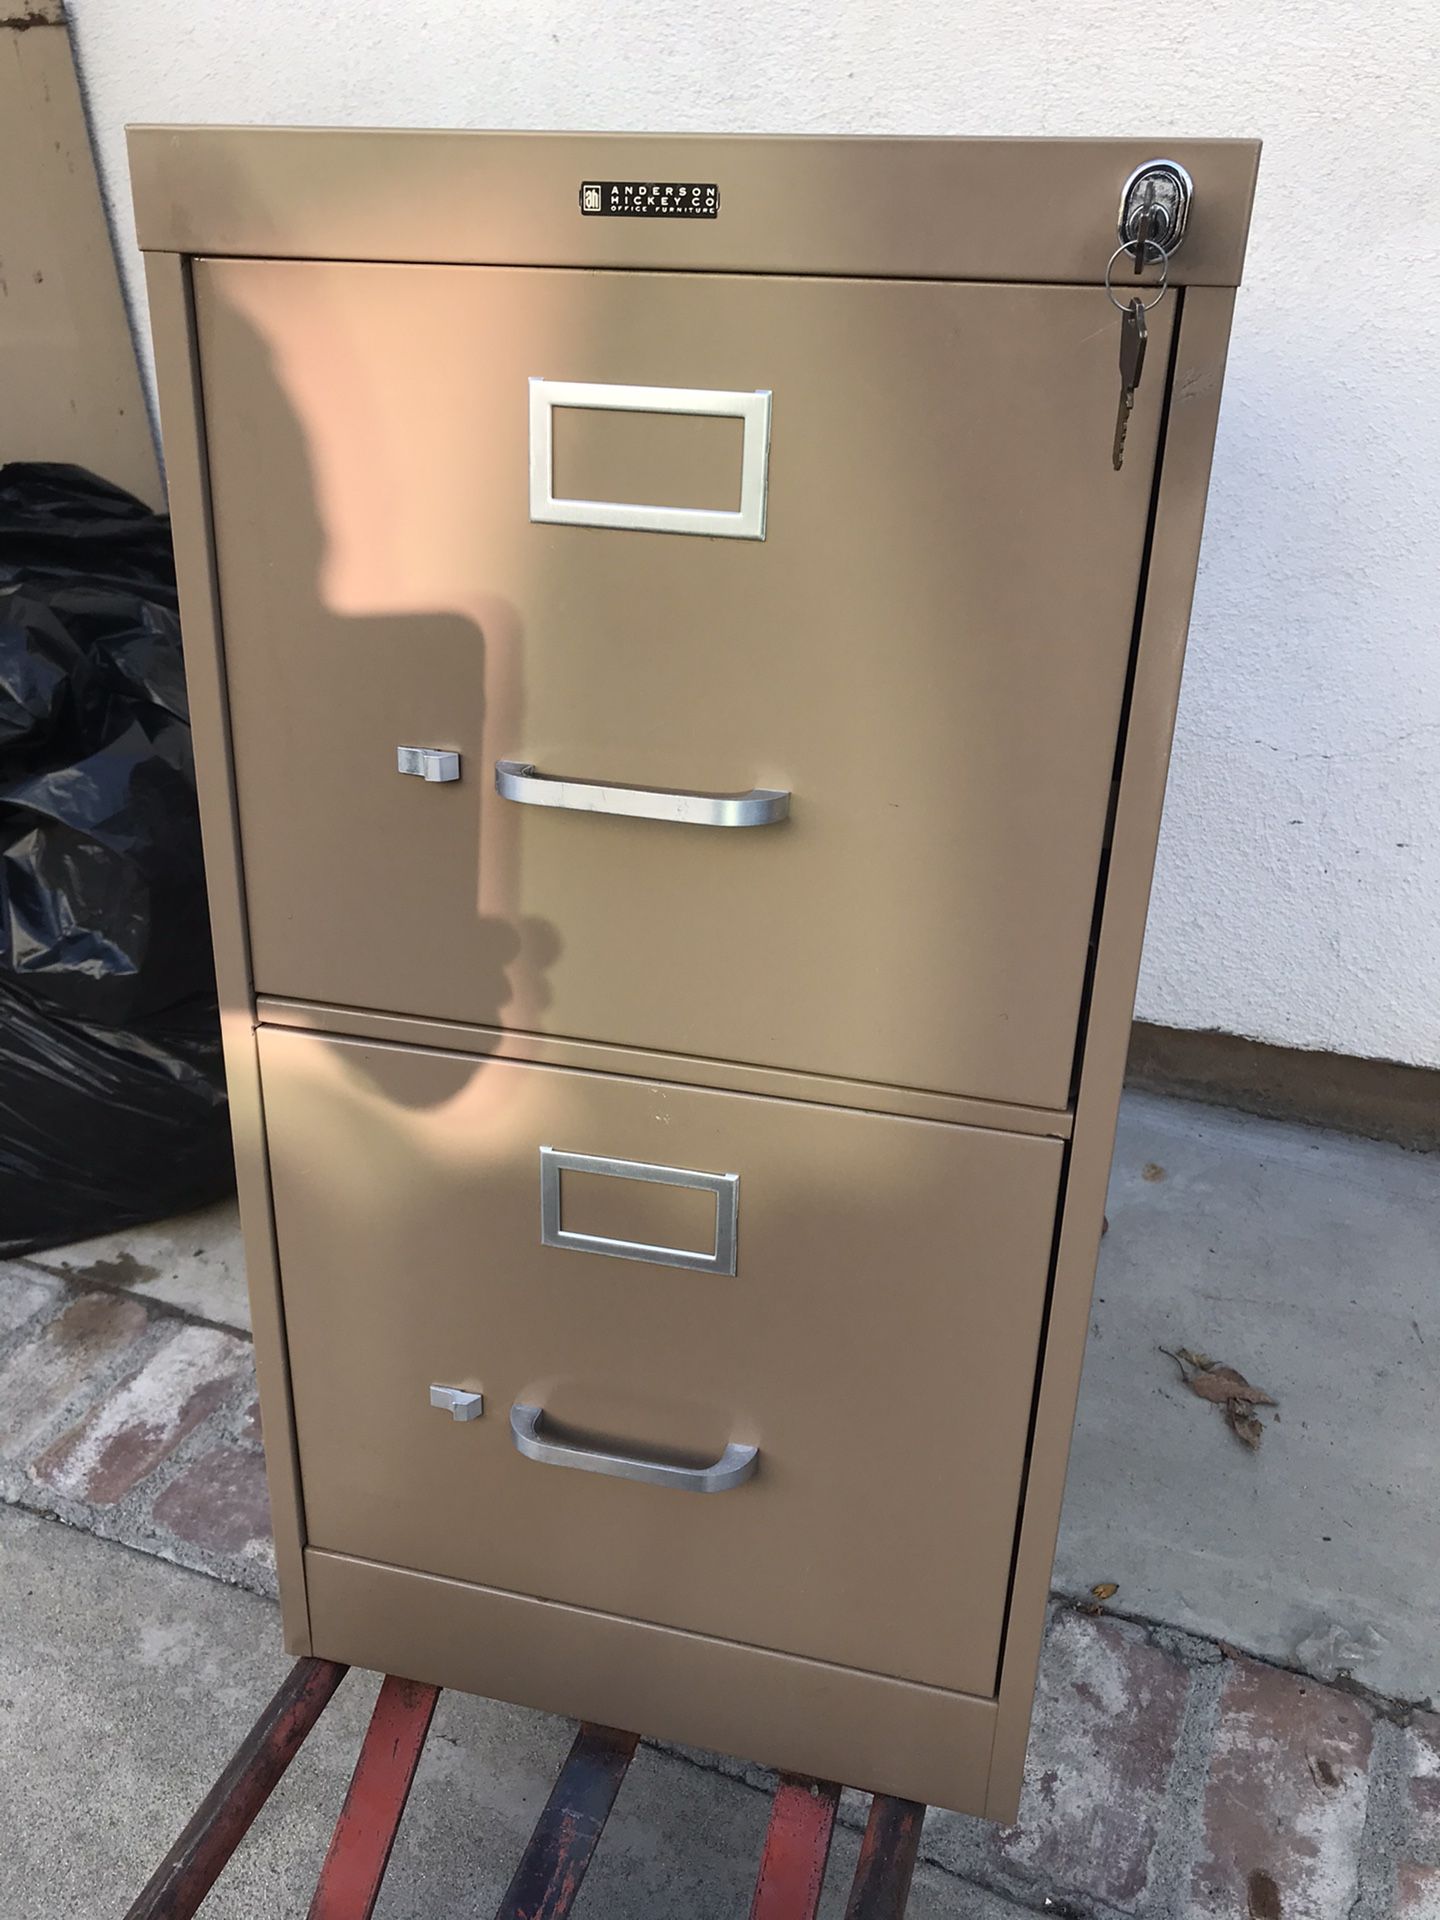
[(1106, 1590), (1184, 1359), (1220, 1385), (1223, 1387)]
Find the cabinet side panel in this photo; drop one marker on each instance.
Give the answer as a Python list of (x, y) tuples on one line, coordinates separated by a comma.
[(182, 425), (1202, 339)]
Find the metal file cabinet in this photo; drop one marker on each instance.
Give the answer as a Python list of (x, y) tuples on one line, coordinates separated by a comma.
[(682, 690)]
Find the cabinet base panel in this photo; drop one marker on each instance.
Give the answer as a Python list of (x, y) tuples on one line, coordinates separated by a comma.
[(802, 1716)]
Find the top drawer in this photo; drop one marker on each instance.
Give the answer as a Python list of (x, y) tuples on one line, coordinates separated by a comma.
[(927, 650)]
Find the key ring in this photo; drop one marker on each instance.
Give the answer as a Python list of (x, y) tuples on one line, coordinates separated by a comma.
[(1126, 247)]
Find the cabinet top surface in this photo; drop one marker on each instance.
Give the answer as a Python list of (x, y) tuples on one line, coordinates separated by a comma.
[(1041, 210)]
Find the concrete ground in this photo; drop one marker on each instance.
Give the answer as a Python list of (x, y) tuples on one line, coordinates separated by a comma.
[(194, 1263), (126, 1684), (1171, 1777), (1310, 1261), (1167, 1781)]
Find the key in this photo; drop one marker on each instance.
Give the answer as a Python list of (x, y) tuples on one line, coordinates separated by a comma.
[(1147, 229), (1133, 333)]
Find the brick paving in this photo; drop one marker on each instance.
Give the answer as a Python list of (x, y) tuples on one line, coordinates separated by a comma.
[(1418, 1887), (43, 1375), (1108, 1721), (129, 1417), (1417, 1892), (1422, 1752), (141, 1422), (1285, 1799), (218, 1504), (1170, 1778)]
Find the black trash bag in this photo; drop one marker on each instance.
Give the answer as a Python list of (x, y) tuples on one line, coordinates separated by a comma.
[(112, 1094)]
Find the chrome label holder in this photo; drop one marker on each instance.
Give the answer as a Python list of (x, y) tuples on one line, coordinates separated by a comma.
[(746, 523), (724, 1186)]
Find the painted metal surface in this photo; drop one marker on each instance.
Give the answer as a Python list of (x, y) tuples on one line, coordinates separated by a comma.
[(365, 1833), (1196, 379), (366, 1023), (877, 1342), (809, 1716), (881, 1888), (929, 650), (553, 1866), (797, 1848), (898, 207), (225, 1816), (168, 281), (961, 841)]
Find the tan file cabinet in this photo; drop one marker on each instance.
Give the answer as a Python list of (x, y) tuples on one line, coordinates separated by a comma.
[(682, 697)]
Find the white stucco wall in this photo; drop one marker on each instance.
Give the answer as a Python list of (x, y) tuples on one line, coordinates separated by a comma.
[(1298, 894)]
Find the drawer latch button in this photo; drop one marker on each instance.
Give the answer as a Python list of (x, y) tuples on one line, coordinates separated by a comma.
[(459, 1404), (428, 763)]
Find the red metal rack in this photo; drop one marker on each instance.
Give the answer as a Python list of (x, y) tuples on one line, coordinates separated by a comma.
[(553, 1865)]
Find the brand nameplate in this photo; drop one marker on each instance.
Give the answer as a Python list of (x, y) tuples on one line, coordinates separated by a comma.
[(651, 199)]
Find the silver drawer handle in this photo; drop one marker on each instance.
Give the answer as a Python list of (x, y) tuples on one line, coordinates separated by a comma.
[(732, 1469), (518, 780)]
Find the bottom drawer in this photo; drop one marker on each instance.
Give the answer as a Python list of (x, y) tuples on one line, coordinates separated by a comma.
[(839, 1311)]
